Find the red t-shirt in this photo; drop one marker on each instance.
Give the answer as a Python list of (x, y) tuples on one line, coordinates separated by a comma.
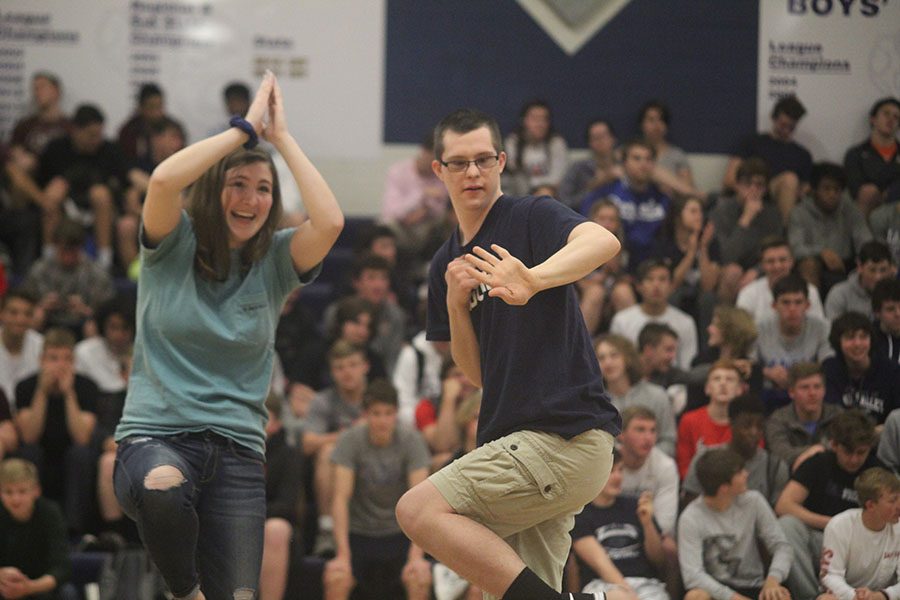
[(695, 427), (426, 414)]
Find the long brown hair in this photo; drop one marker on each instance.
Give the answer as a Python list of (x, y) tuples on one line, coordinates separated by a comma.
[(212, 258)]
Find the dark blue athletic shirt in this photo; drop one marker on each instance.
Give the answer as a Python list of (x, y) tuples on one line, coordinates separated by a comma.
[(538, 367)]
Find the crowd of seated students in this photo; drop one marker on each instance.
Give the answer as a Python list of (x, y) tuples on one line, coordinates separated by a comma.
[(750, 336)]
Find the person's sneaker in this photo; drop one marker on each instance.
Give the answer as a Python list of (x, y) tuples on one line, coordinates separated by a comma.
[(325, 546)]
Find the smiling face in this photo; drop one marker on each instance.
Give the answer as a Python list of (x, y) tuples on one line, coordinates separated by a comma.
[(473, 190), (776, 262), (16, 317), (855, 346), (246, 201), (536, 123), (19, 497)]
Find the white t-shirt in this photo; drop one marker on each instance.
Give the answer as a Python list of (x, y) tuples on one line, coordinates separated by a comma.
[(630, 321), (854, 556), (659, 476), (756, 298), (15, 368), (94, 359)]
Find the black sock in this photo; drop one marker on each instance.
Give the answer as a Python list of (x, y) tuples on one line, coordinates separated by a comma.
[(528, 586)]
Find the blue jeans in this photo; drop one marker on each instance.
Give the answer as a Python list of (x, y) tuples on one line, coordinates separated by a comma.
[(207, 531)]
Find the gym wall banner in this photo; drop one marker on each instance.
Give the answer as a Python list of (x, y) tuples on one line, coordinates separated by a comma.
[(328, 56), (838, 57)]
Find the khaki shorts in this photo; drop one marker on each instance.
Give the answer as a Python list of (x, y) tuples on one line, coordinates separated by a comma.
[(527, 488)]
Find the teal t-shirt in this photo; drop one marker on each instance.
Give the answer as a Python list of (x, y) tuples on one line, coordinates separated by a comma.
[(204, 350)]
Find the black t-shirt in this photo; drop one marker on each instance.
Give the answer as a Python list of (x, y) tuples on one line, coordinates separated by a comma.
[(779, 156), (56, 438), (107, 166), (830, 487), (538, 368), (619, 531), (36, 547)]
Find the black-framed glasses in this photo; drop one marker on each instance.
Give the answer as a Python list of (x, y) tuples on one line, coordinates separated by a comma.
[(484, 163)]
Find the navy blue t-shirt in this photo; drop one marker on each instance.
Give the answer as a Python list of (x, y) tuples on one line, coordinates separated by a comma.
[(538, 368), (618, 529), (779, 156)]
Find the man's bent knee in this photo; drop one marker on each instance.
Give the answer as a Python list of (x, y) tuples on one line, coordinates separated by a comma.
[(164, 477)]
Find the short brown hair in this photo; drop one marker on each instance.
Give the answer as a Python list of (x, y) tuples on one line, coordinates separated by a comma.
[(58, 337), (632, 361), (852, 429), (636, 411), (343, 349), (17, 470), (750, 168), (724, 363), (802, 370), (716, 467), (874, 482), (380, 391)]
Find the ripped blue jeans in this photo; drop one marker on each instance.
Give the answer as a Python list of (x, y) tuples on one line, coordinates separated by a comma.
[(204, 528)]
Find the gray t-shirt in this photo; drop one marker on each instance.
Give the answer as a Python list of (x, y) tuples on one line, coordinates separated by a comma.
[(811, 345), (766, 473), (381, 475), (718, 549), (328, 412)]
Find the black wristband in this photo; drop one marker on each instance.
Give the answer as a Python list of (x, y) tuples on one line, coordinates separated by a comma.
[(245, 126)]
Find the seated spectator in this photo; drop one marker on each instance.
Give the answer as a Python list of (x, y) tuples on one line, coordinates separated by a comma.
[(827, 230), (536, 156), (654, 283), (20, 239), (333, 410), (83, 175), (672, 172), (693, 252), (56, 418), (731, 335), (886, 328), (873, 171), (720, 534), (873, 264), (165, 138), (34, 556), (641, 205), (371, 280), (861, 545), (708, 425), (284, 489), (134, 135), (32, 133), (436, 418), (622, 378), (820, 488), (854, 378), (791, 337), (607, 290), (741, 222), (298, 343), (21, 213), (618, 545), (767, 473), (799, 430), (776, 261), (20, 344), (407, 271), (885, 224), (355, 321), (69, 285), (599, 169), (789, 164), (657, 345), (414, 201), (103, 358), (889, 442), (417, 375), (646, 468), (376, 461)]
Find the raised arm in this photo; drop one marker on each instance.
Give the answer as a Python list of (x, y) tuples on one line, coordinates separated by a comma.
[(588, 246), (315, 237), (162, 205)]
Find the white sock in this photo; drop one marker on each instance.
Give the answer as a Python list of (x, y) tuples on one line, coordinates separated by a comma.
[(326, 523), (104, 257)]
